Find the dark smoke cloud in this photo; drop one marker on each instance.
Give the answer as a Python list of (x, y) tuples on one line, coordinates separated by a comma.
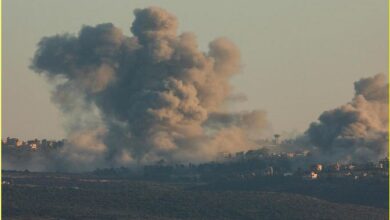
[(253, 121), (151, 96), (358, 130)]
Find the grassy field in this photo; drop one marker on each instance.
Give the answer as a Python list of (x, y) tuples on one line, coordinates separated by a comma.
[(60, 196)]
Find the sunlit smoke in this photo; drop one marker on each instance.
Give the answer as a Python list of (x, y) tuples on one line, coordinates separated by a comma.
[(151, 96)]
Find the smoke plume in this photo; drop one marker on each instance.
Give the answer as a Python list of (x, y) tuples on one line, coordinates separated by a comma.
[(150, 96), (358, 130)]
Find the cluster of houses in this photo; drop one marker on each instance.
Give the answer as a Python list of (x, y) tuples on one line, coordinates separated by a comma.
[(31, 145), (311, 172), (349, 170), (268, 166), (252, 163), (320, 171)]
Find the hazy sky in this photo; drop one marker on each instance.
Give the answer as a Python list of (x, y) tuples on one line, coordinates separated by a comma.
[(299, 57)]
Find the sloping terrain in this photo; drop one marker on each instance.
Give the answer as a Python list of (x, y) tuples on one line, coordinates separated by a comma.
[(124, 199), (369, 192)]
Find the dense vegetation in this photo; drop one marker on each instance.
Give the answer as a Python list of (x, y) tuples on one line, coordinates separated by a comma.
[(65, 196)]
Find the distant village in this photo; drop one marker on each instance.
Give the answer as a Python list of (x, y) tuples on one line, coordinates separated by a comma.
[(31, 145), (308, 170), (241, 165), (255, 164)]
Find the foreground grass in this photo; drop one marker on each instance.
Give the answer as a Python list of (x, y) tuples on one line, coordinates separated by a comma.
[(86, 199)]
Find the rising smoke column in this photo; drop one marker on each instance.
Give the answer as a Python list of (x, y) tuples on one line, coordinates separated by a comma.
[(358, 130), (151, 96)]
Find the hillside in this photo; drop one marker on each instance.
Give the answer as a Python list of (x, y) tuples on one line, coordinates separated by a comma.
[(124, 199)]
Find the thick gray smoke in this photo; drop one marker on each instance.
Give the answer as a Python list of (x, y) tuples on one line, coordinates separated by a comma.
[(151, 96), (358, 130)]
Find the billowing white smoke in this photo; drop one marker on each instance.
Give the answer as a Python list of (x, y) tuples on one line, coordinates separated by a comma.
[(358, 130), (143, 98)]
